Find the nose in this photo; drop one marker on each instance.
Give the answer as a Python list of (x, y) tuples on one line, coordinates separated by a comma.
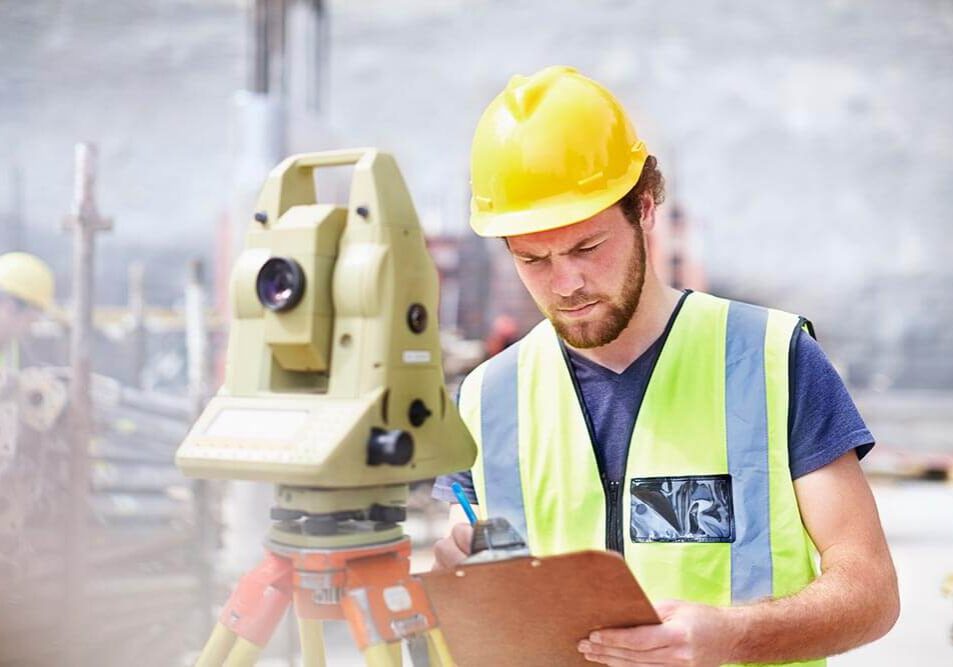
[(566, 278)]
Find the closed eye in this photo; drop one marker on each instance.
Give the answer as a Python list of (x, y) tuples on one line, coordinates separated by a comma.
[(530, 260)]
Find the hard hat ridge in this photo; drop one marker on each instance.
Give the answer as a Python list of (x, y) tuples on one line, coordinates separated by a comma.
[(524, 93)]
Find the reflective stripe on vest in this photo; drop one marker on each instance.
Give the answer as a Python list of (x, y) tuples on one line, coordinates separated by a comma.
[(716, 404), (746, 425), (499, 424)]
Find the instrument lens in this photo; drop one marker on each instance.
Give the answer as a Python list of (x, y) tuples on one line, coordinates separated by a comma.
[(280, 284)]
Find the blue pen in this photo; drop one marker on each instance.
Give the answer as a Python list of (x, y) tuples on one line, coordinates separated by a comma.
[(464, 503)]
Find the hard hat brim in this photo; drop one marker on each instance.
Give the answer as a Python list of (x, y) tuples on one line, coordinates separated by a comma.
[(564, 211)]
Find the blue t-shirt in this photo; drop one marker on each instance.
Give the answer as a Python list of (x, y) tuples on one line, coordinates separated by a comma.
[(824, 422)]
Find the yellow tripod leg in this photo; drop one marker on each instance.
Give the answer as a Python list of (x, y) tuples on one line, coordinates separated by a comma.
[(438, 650), (243, 654), (311, 633), (383, 655), (216, 648)]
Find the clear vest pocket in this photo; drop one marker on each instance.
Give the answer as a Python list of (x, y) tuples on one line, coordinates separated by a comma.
[(682, 509)]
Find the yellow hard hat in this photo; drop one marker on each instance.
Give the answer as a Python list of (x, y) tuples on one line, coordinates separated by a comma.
[(27, 277), (552, 149)]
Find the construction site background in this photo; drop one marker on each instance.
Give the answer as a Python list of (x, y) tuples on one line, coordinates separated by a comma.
[(808, 152)]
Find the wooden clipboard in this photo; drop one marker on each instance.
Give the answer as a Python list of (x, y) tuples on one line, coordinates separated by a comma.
[(531, 612)]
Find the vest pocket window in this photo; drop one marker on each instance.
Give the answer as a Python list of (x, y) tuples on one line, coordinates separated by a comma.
[(682, 509)]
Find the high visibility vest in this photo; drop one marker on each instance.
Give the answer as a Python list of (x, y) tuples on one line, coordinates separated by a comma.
[(707, 510)]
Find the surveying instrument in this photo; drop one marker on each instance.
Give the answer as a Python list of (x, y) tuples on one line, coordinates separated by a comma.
[(334, 392)]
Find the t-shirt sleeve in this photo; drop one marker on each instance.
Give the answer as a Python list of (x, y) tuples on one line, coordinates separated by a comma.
[(825, 423), (442, 490)]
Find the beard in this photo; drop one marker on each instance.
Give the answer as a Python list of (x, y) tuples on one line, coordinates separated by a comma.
[(622, 306)]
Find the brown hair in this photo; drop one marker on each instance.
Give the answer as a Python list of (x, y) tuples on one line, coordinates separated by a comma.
[(650, 182)]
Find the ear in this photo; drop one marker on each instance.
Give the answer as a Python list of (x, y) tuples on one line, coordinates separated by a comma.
[(648, 212)]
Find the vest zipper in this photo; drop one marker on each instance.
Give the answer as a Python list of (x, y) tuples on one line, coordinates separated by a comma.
[(612, 490), (614, 536)]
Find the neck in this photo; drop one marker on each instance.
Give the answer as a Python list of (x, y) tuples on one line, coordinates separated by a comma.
[(656, 305)]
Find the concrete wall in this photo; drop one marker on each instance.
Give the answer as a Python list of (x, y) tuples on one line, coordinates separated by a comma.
[(810, 144)]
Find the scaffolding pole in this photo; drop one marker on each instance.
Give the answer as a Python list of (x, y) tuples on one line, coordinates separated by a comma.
[(84, 221), (196, 343)]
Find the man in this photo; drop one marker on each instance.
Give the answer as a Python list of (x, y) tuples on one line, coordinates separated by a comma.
[(26, 291), (709, 442)]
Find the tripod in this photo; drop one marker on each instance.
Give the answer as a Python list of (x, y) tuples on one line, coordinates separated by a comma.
[(340, 564)]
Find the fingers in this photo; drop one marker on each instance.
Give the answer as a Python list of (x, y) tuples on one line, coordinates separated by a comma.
[(449, 551), (641, 638), (462, 534), (619, 662), (607, 654), (665, 608), (689, 635), (446, 554)]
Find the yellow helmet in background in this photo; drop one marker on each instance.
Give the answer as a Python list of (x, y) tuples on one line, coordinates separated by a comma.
[(552, 149), (28, 278)]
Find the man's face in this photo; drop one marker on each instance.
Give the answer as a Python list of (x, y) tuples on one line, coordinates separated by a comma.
[(586, 278)]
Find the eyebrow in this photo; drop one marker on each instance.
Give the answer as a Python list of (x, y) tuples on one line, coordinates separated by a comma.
[(592, 238)]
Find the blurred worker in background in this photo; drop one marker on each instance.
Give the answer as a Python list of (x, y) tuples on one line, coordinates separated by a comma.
[(709, 442), (503, 333), (26, 292)]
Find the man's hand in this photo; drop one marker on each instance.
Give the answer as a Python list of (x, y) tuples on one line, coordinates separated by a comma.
[(449, 551), (693, 635)]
